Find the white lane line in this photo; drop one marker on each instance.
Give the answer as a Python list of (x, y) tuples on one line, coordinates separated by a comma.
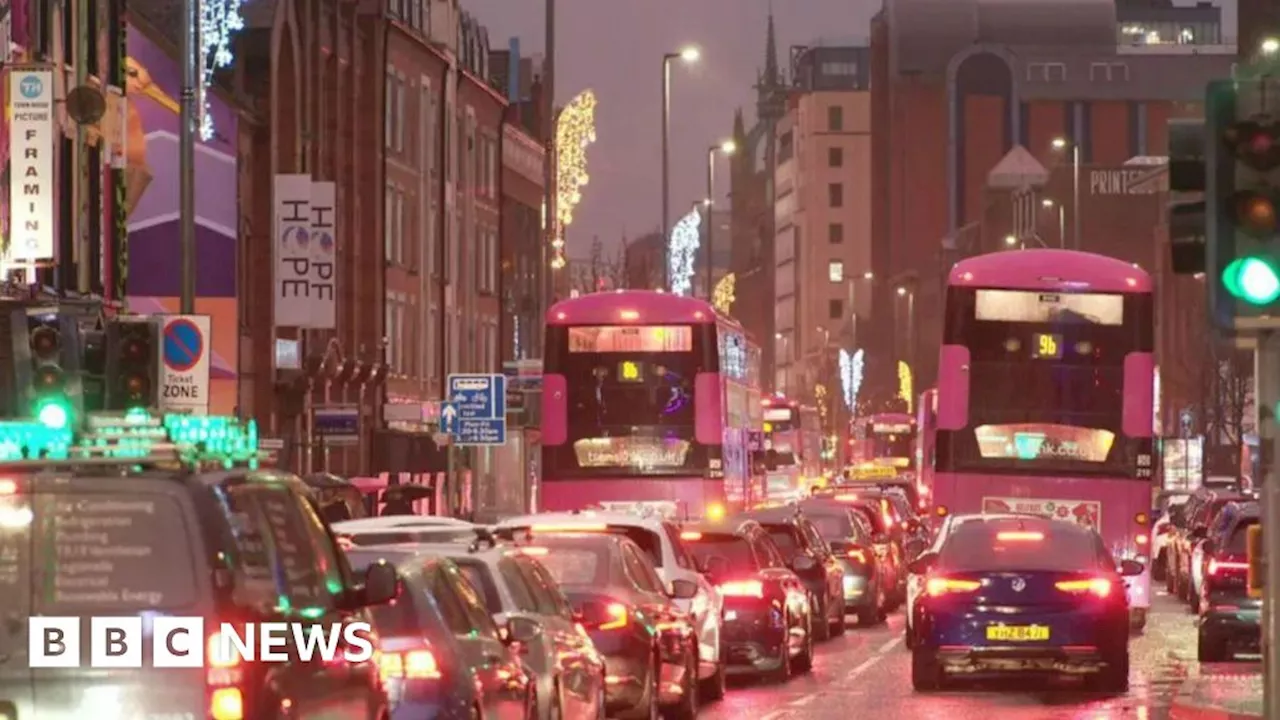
[(774, 715), (802, 701), (889, 645), (854, 673)]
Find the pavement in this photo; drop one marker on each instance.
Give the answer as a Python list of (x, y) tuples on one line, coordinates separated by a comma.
[(869, 669)]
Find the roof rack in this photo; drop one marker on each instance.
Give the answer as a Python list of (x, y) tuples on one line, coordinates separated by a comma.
[(137, 438), (485, 540)]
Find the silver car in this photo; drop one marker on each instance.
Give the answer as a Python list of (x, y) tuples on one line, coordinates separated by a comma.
[(523, 597)]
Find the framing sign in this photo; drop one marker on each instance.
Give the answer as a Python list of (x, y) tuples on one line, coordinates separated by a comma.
[(184, 364), (31, 190)]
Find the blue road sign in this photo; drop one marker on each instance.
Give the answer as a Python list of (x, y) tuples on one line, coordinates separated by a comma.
[(183, 345), (480, 432), (448, 418), (478, 397)]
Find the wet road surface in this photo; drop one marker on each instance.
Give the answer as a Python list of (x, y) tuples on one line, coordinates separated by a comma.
[(867, 673)]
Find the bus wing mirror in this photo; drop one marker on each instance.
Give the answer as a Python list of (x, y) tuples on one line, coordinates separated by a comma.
[(1139, 391), (706, 395), (953, 375)]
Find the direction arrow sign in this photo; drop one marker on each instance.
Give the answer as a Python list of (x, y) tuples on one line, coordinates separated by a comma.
[(448, 418)]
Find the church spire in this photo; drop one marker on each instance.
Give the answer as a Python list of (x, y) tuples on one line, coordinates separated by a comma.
[(739, 128), (771, 76)]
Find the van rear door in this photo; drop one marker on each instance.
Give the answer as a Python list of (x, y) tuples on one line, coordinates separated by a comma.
[(121, 548)]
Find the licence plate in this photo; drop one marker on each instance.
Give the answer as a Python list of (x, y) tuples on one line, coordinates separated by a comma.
[(1018, 633)]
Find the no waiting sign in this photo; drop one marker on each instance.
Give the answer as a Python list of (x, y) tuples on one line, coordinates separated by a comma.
[(184, 364)]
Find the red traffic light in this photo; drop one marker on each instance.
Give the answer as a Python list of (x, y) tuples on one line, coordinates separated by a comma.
[(44, 343), (135, 387), (48, 378), (1255, 213), (1255, 143), (134, 349)]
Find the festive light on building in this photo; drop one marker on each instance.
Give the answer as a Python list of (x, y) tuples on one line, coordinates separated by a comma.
[(820, 395), (220, 20), (575, 131), (682, 248), (723, 297), (904, 384), (851, 368)]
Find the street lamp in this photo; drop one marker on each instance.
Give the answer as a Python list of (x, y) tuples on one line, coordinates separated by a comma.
[(1060, 144), (727, 147), (1009, 240), (1270, 46), (1062, 220), (687, 55)]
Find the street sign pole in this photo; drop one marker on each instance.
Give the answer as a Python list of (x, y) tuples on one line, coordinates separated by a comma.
[(1267, 379)]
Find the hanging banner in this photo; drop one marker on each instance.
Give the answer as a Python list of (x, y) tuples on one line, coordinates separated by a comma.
[(292, 252), (324, 238), (31, 187)]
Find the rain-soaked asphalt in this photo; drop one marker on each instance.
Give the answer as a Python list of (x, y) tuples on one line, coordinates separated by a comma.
[(867, 674)]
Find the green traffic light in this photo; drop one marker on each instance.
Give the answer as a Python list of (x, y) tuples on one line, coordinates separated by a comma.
[(1253, 280), (54, 415)]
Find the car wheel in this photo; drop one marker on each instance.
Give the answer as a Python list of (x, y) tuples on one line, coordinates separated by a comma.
[(713, 688), (654, 709), (926, 673), (821, 628), (531, 705), (1114, 678), (837, 623), (804, 661), (1210, 649), (1158, 569), (687, 709), (1137, 620), (602, 708), (869, 616), (1168, 577), (782, 673), (476, 712)]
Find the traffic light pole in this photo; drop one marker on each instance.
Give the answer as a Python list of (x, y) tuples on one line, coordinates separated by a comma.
[(1267, 378)]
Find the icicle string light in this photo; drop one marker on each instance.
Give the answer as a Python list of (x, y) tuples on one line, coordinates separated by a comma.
[(575, 131), (905, 390), (723, 296), (851, 367), (686, 236), (220, 20)]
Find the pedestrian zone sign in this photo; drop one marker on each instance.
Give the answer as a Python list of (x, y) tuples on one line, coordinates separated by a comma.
[(475, 411)]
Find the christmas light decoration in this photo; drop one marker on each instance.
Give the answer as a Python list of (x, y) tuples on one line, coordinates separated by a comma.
[(575, 131), (220, 20), (820, 395), (851, 367), (904, 384), (682, 248), (723, 297)]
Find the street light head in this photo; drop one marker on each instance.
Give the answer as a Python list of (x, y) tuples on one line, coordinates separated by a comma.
[(1270, 46), (868, 275), (902, 290), (1047, 202), (690, 54), (1059, 143), (1010, 240), (777, 336), (728, 147)]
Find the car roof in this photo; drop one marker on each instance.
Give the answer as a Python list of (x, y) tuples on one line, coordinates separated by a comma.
[(825, 506), (399, 522), (586, 518), (1030, 523), (789, 515), (404, 556), (735, 525)]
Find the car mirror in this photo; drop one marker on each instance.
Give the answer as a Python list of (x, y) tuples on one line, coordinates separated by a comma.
[(922, 564), (683, 589), (803, 563), (1131, 568), (522, 630), (381, 584)]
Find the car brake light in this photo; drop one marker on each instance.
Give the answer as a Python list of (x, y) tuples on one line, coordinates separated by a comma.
[(857, 554), (1098, 586), (1217, 566), (220, 652), (688, 535), (937, 586), (1019, 536), (8, 487), (535, 551), (417, 664), (569, 528), (616, 614), (846, 498), (743, 588), (226, 704), (1141, 539)]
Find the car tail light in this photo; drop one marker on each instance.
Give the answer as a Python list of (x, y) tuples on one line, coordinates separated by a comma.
[(8, 487), (616, 616), (223, 676), (226, 704), (419, 664), (849, 498), (220, 653), (534, 551), (1019, 536), (689, 535), (1097, 586), (937, 586), (1218, 567), (1141, 539), (857, 554), (743, 588)]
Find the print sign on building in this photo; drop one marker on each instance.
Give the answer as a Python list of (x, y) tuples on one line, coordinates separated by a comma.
[(323, 255), (31, 130), (305, 252)]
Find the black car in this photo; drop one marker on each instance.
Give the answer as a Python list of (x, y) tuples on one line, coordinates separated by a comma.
[(236, 546), (887, 537), (1230, 620), (849, 535), (805, 552), (767, 614)]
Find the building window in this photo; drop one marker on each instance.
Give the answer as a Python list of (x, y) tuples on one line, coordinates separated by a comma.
[(835, 233), (835, 271), (389, 108), (835, 195), (389, 250), (835, 157), (835, 118), (835, 309)]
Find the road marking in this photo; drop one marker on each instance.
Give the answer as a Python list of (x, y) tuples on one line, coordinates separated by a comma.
[(802, 701), (854, 673), (774, 715), (888, 646)]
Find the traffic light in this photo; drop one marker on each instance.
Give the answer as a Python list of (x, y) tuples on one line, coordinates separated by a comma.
[(1243, 189), (1186, 206), (133, 363), (53, 394)]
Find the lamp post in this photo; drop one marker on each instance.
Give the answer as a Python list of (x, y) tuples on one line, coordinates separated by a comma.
[(688, 55), (1061, 144), (1062, 220), (728, 147), (909, 293)]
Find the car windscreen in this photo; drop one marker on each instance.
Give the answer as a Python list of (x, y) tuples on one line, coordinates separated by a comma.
[(399, 617), (832, 526), (784, 536), (873, 516), (576, 563), (731, 548), (77, 551), (991, 546), (1238, 544)]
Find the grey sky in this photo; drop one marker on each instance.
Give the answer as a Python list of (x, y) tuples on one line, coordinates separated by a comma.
[(615, 47)]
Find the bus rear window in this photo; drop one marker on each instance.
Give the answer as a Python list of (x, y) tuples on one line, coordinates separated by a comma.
[(79, 553)]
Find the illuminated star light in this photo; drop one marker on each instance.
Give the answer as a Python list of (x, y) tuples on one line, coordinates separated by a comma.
[(723, 296), (904, 384), (851, 367), (575, 131), (220, 20), (686, 236)]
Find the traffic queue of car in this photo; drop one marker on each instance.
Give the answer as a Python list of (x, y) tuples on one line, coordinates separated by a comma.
[(1201, 554)]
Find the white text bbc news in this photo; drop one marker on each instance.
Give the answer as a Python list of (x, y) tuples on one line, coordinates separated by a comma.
[(183, 642)]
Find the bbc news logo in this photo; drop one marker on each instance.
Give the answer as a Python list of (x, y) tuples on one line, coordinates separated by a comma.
[(183, 642)]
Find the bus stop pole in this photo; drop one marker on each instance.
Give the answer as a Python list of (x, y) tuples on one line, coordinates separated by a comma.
[(1267, 383)]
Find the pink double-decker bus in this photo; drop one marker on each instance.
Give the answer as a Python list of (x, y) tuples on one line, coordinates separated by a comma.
[(1044, 397), (887, 439), (648, 399)]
